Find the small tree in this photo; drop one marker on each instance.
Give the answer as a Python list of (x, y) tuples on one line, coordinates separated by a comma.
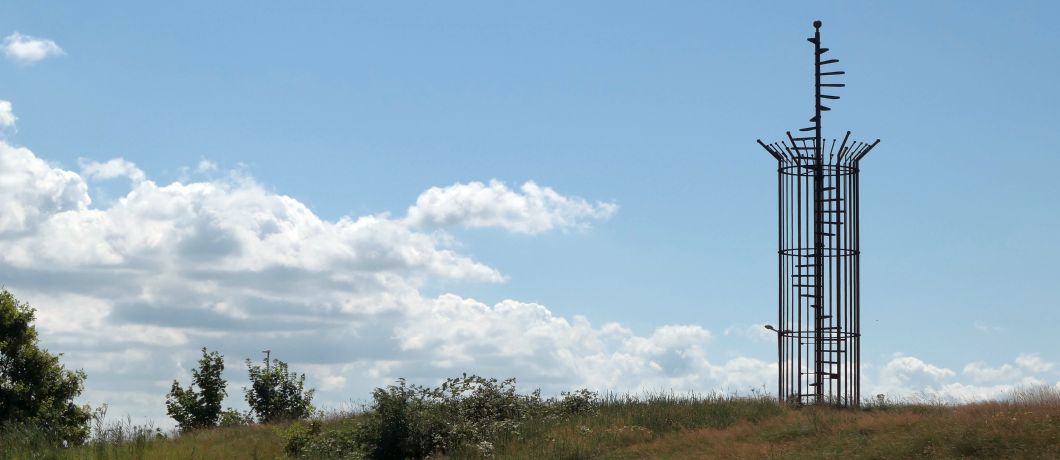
[(276, 394), (199, 409), (35, 389)]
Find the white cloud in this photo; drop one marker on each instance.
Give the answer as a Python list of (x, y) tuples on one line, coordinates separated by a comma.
[(980, 372), (983, 326), (909, 377), (225, 263), (205, 166), (1033, 363), (31, 191), (531, 210), (130, 289), (1025, 365), (7, 115), (25, 49), (110, 169)]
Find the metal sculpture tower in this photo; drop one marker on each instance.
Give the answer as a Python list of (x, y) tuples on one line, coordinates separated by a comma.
[(819, 334)]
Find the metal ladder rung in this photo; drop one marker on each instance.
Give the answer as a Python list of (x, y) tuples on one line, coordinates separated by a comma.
[(822, 373)]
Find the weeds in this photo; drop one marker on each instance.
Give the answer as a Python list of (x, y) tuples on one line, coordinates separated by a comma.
[(472, 417)]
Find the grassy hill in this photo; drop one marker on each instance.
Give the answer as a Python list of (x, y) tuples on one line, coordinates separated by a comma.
[(660, 426)]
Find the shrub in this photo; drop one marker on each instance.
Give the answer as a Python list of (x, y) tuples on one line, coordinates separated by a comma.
[(579, 402), (231, 417), (464, 414), (307, 440), (402, 423), (202, 408), (276, 394), (411, 421)]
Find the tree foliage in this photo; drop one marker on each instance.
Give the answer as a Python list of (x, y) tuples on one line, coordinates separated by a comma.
[(276, 394), (195, 409), (35, 389)]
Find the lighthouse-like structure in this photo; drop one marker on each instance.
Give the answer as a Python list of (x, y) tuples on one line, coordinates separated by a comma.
[(818, 315)]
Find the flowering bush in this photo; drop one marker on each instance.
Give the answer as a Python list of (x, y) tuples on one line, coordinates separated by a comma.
[(413, 421)]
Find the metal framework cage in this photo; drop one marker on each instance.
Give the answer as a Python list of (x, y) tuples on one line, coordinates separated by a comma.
[(818, 315)]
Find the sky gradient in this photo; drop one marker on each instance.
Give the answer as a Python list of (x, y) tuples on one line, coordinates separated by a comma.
[(569, 194)]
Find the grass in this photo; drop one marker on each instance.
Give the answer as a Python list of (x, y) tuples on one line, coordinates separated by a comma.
[(123, 440), (662, 426)]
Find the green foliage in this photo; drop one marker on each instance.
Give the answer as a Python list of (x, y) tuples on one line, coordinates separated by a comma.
[(469, 413), (196, 409), (310, 441), (275, 394), (35, 389), (231, 417), (656, 425), (403, 423)]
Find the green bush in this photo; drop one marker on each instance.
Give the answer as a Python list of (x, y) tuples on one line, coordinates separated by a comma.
[(196, 409), (231, 417), (275, 394), (308, 441), (465, 414)]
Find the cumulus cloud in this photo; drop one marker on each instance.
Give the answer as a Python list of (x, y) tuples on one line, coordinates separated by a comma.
[(910, 377), (7, 115), (130, 289), (110, 169), (25, 49), (31, 191), (460, 333), (532, 209)]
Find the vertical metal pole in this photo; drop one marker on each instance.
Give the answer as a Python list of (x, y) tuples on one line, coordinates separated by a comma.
[(857, 284), (818, 215), (780, 281)]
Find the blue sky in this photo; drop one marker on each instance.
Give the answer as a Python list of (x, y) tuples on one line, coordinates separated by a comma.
[(356, 110)]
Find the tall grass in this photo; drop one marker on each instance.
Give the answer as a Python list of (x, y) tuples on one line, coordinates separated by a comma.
[(621, 421), (1025, 424)]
